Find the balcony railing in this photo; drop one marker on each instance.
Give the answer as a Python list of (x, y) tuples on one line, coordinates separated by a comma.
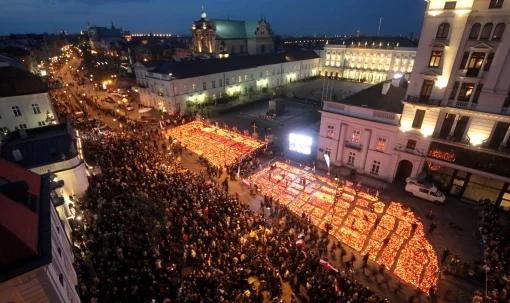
[(471, 72), (353, 145), (423, 100), (405, 149), (478, 107), (465, 142)]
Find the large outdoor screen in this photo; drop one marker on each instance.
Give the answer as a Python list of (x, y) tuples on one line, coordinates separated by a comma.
[(300, 143)]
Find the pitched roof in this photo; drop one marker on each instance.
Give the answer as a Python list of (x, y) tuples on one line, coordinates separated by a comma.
[(25, 230), (15, 82), (373, 98), (41, 146), (201, 67), (230, 29)]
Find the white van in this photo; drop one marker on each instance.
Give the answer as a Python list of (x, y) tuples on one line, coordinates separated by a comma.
[(424, 190)]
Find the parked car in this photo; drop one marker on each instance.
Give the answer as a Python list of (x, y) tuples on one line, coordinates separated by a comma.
[(424, 190)]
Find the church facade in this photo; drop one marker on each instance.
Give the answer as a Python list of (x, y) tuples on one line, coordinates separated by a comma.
[(224, 36)]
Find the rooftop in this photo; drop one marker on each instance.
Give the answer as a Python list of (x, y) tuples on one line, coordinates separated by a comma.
[(15, 82), (36, 147), (374, 98), (201, 67), (25, 230), (382, 42)]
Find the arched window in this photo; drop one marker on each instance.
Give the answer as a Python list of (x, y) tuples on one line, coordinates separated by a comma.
[(498, 32), (486, 31), (442, 31), (475, 31)]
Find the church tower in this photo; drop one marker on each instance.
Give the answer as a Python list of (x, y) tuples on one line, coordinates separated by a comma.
[(203, 35)]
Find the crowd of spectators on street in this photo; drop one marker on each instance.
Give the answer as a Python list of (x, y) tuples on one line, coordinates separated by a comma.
[(152, 231), (496, 255)]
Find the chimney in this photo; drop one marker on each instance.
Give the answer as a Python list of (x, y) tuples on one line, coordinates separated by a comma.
[(385, 88)]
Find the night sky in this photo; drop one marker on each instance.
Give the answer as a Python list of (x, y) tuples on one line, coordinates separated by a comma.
[(287, 17)]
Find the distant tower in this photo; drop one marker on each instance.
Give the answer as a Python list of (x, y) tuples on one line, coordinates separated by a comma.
[(379, 27)]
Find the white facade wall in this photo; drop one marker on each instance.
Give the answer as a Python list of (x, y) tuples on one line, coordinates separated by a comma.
[(364, 64), (54, 282), (34, 111), (340, 124), (164, 92), (490, 107)]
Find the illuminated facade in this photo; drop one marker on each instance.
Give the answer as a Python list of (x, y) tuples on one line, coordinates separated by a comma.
[(367, 61), (361, 132), (225, 36), (458, 102), (177, 86)]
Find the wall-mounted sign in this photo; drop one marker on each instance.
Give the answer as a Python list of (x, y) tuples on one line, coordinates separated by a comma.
[(442, 155)]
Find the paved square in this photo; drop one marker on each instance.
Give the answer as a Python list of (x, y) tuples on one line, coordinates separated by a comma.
[(389, 232), (219, 146)]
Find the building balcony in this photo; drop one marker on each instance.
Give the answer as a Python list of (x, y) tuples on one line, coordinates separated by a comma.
[(477, 107), (465, 143), (423, 100), (412, 151), (471, 73), (469, 156), (353, 145)]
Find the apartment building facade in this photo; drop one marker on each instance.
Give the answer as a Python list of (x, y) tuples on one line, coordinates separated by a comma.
[(458, 101)]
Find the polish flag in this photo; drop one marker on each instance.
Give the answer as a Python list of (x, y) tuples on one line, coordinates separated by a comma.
[(327, 265)]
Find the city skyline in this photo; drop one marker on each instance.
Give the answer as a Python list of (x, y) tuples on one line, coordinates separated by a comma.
[(322, 17)]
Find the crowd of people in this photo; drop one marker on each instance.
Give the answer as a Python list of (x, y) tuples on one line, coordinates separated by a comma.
[(152, 231), (496, 255)]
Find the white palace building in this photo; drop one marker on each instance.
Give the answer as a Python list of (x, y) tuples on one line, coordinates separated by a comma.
[(368, 59), (173, 86)]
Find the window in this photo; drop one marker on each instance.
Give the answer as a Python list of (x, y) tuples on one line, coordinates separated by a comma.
[(450, 4), (356, 136), (454, 90), (23, 126), (496, 3), (426, 89), (475, 31), (35, 108), (411, 144), (16, 111), (204, 85), (41, 123), (381, 143), (478, 90), (351, 158), (435, 58), (376, 165), (486, 31), (498, 32), (331, 131), (466, 90), (213, 84), (220, 82), (475, 64), (418, 118), (239, 78), (227, 81), (488, 62), (194, 86), (442, 31)]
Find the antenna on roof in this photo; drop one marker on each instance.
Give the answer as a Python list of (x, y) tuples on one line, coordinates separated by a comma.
[(379, 28)]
